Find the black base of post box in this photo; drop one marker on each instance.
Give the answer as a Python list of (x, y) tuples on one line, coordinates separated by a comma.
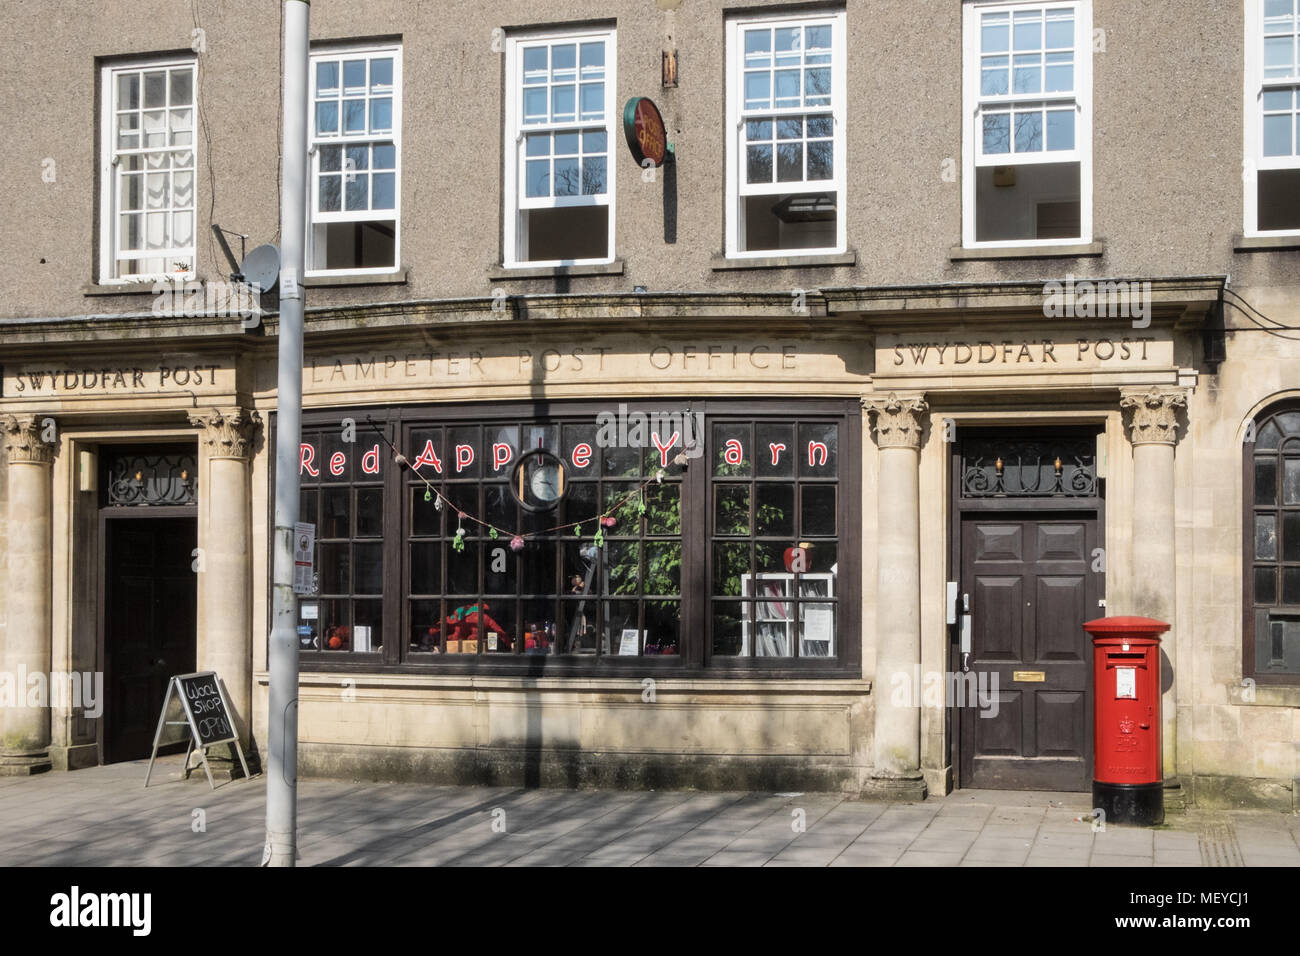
[(1141, 804)]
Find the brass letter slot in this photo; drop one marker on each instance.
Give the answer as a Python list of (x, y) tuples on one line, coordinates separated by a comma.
[(1023, 677)]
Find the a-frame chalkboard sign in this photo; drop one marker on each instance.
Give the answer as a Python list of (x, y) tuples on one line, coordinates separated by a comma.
[(207, 714)]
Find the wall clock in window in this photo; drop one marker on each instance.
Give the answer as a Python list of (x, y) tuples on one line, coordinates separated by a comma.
[(539, 481)]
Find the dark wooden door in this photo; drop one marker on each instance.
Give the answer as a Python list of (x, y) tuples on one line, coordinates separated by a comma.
[(150, 595), (1031, 587)]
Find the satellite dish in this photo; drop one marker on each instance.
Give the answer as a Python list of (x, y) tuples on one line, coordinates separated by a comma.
[(261, 267)]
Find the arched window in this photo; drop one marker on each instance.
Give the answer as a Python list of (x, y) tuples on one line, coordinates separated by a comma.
[(1271, 464)]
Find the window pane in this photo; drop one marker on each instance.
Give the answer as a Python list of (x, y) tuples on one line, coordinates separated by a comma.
[(327, 118), (330, 193), (381, 72), (728, 617), (1266, 537), (1029, 30), (384, 156), (562, 103), (817, 87), (182, 87), (566, 144), (1029, 132), (354, 116), (1060, 129), (1060, 72), (818, 450), (995, 33), (1291, 537), (385, 187), (1266, 481), (1291, 586), (994, 76), (535, 106), (1277, 135), (1266, 586), (1027, 74), (381, 114), (1291, 481), (820, 160), (128, 91), (789, 162), (593, 175), (787, 87), (997, 133), (357, 191), (731, 509), (566, 177), (758, 46), (368, 568), (327, 77), (1060, 30), (155, 90), (758, 90), (593, 100), (774, 510), (817, 513), (354, 74)]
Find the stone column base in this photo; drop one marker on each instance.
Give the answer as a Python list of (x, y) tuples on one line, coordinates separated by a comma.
[(907, 787), (75, 757), (25, 765)]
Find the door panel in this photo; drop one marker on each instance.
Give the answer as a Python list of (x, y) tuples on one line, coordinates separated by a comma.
[(150, 595), (1031, 588)]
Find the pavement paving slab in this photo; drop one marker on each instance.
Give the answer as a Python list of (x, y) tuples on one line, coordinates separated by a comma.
[(104, 816)]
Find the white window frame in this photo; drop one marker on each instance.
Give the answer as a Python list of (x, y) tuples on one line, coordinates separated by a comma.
[(108, 178), (513, 191), (369, 51), (972, 140), (1253, 122), (737, 189)]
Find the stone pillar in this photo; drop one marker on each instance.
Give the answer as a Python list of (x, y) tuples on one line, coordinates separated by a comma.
[(225, 576), (30, 446), (1153, 432), (897, 740)]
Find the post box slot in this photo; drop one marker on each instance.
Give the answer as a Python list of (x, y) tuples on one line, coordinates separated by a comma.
[(1126, 657)]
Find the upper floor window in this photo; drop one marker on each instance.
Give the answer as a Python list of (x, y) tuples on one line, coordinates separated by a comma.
[(1027, 124), (785, 135), (356, 123), (1272, 125), (147, 170), (560, 115), (1272, 535)]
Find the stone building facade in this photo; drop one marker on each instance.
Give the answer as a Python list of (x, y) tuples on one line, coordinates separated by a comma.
[(929, 292)]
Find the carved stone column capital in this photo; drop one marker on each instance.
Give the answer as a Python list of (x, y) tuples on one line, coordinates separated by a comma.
[(227, 432), (1153, 413), (897, 419), (25, 439)]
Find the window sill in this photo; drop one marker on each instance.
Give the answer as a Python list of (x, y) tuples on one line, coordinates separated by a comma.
[(615, 268), (1266, 695), (975, 253), (721, 263), (397, 277), (1265, 243), (130, 288)]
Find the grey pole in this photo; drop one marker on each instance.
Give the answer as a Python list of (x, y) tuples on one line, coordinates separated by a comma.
[(282, 713)]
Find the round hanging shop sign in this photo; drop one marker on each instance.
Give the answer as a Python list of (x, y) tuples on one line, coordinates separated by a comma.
[(647, 137)]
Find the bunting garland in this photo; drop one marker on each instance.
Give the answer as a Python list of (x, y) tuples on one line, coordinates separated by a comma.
[(605, 520)]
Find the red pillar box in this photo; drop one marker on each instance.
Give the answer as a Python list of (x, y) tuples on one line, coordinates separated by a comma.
[(1127, 772)]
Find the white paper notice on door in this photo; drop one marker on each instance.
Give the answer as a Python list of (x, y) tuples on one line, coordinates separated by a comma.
[(1126, 683)]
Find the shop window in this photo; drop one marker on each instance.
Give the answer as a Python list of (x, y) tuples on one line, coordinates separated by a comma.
[(689, 538), (1272, 110), (147, 174), (1272, 536), (342, 494), (559, 592), (1028, 123), (560, 123), (356, 160), (786, 112), (774, 538)]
